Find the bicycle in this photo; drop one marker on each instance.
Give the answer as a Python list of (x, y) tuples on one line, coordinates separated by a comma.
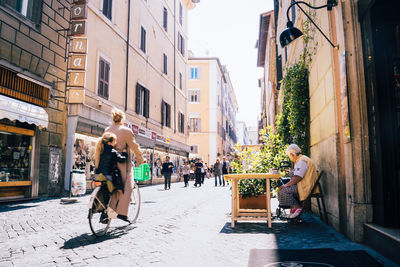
[(98, 205)]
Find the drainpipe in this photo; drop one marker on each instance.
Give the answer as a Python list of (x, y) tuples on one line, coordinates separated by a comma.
[(127, 56), (174, 66)]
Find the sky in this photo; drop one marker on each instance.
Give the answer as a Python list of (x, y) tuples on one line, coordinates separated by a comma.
[(228, 29)]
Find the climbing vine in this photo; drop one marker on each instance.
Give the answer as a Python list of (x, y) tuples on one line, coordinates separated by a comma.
[(293, 124)]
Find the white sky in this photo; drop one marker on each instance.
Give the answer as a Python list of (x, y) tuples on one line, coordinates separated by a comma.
[(228, 29)]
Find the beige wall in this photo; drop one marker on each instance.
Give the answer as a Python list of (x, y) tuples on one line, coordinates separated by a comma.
[(145, 68)]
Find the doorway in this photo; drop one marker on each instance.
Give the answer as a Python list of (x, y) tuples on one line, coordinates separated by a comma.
[(381, 40)]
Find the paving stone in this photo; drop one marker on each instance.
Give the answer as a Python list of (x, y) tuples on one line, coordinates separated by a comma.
[(178, 227)]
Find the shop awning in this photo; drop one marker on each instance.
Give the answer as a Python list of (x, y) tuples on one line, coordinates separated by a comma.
[(14, 109)]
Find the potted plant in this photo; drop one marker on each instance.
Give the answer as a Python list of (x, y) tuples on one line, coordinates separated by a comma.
[(271, 153)]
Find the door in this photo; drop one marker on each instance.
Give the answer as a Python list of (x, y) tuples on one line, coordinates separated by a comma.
[(381, 38)]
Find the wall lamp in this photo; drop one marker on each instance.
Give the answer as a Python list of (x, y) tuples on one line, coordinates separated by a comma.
[(291, 33)]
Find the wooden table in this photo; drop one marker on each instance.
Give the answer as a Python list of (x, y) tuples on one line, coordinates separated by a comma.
[(250, 214)]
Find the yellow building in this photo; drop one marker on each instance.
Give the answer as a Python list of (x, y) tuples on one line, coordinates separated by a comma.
[(130, 55), (212, 109), (354, 112)]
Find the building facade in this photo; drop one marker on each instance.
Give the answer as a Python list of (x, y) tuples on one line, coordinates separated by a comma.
[(266, 59), (212, 109), (140, 69), (242, 133), (33, 38), (354, 111)]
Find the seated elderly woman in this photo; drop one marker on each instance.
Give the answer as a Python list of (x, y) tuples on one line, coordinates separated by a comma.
[(301, 183)]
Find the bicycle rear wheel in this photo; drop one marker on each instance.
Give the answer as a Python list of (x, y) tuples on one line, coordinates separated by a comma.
[(134, 205), (96, 209)]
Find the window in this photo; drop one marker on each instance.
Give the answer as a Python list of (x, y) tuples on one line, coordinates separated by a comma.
[(165, 19), (142, 39), (165, 114), (31, 9), (180, 13), (195, 125), (165, 64), (180, 81), (181, 123), (195, 73), (107, 8), (194, 95), (194, 149), (104, 78), (181, 44), (142, 100)]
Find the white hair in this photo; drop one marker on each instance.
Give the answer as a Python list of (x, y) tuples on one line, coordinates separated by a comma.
[(293, 149)]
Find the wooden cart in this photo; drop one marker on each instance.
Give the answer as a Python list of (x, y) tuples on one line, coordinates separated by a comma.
[(250, 214)]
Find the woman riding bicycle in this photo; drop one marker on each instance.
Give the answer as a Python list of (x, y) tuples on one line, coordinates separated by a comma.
[(106, 158), (125, 142)]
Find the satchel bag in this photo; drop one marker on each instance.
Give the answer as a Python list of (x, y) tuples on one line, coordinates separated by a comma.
[(117, 179)]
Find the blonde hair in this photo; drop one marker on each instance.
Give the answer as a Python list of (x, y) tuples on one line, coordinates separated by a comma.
[(117, 115), (105, 138)]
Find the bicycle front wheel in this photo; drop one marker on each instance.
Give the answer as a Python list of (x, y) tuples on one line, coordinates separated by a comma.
[(97, 210), (134, 205)]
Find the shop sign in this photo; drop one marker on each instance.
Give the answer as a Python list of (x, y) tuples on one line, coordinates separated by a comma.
[(78, 27), (78, 62), (76, 96), (79, 11), (160, 138), (79, 45), (76, 79), (135, 129), (167, 140), (78, 50), (153, 135)]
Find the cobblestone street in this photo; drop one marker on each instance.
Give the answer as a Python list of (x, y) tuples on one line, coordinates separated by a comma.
[(178, 227)]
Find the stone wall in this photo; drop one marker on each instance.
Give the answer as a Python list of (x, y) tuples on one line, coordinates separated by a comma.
[(39, 49)]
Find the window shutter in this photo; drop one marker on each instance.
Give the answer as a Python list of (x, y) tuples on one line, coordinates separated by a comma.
[(162, 112), (143, 39), (146, 102), (165, 21), (168, 115), (106, 78), (137, 109), (101, 77), (37, 11)]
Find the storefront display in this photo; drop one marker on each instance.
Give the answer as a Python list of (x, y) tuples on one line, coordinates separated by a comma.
[(15, 157)]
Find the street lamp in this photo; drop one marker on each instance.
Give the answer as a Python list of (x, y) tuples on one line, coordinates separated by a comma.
[(291, 33)]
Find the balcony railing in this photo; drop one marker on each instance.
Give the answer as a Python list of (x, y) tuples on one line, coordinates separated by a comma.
[(17, 87)]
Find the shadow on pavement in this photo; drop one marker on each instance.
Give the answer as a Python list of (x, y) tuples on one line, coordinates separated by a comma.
[(90, 239), (279, 226), (7, 208)]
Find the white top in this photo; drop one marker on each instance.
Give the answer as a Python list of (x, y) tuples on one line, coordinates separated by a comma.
[(300, 169)]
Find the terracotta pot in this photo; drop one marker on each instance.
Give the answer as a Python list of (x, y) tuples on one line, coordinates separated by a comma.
[(259, 202)]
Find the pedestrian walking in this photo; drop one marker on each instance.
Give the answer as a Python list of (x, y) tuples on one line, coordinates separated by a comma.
[(203, 172), (167, 169), (198, 167), (192, 171), (225, 168), (186, 173), (217, 172), (125, 142)]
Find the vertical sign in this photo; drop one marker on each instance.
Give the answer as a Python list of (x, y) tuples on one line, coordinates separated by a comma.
[(344, 98), (78, 50)]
